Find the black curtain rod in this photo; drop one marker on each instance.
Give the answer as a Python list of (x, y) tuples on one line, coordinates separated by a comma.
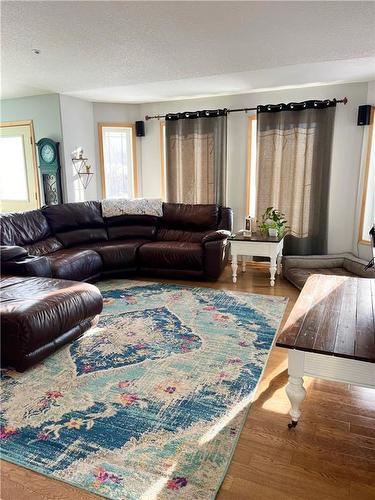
[(337, 101)]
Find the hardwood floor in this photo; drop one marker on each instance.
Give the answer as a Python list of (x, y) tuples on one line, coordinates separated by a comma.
[(330, 455)]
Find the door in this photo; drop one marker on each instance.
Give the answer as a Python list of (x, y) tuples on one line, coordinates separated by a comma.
[(19, 184)]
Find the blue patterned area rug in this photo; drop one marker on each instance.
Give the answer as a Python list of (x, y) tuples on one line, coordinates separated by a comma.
[(151, 402)]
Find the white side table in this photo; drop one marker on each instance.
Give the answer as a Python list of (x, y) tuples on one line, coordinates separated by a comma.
[(259, 246)]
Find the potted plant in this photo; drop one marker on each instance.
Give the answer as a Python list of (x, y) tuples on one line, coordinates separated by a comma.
[(273, 222)]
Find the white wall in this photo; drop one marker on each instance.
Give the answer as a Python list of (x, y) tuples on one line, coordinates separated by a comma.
[(44, 110), (346, 154), (77, 121)]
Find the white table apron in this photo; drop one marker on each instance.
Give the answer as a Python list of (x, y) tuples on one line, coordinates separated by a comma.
[(273, 250), (323, 366)]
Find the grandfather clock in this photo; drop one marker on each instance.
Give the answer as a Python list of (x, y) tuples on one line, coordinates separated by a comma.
[(50, 169)]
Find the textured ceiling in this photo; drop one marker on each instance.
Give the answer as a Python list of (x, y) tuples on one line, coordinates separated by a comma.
[(141, 48)]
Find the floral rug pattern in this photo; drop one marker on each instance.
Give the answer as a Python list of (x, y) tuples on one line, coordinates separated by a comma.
[(151, 402)]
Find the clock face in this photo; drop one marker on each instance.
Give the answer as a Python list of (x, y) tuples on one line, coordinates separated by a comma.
[(47, 153)]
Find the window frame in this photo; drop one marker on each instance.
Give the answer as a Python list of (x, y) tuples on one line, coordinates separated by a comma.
[(250, 124), (30, 125), (370, 145), (102, 126)]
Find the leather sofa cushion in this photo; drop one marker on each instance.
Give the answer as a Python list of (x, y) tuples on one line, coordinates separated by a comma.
[(193, 217), (71, 216), (43, 247), (226, 219), (179, 235), (131, 226), (75, 264), (23, 228), (34, 311), (118, 254), (75, 223), (71, 238), (120, 232), (171, 255)]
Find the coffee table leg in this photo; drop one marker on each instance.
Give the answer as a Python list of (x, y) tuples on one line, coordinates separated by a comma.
[(234, 268), (295, 390), (273, 270)]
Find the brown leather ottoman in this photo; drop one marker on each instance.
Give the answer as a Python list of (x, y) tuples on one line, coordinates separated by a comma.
[(39, 315)]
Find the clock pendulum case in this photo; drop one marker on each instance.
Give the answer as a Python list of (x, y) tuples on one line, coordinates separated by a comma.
[(50, 169)]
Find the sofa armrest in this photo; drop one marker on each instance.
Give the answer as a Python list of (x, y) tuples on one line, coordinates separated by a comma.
[(16, 261), (221, 234), (11, 253), (216, 254)]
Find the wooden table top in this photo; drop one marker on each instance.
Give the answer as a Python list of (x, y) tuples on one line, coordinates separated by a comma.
[(334, 315), (258, 237)]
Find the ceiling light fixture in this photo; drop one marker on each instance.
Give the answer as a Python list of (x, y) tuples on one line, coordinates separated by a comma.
[(35, 51)]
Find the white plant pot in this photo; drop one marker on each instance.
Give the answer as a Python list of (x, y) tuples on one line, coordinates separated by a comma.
[(272, 231)]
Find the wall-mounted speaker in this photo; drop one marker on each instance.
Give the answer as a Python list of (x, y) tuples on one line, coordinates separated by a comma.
[(364, 115), (140, 129)]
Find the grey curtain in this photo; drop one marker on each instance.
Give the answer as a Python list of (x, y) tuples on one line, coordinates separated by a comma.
[(294, 144), (196, 157)]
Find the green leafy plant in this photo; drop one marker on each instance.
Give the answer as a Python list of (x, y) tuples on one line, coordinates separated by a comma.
[(273, 219)]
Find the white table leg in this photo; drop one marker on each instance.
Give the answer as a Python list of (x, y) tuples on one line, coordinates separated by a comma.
[(295, 390), (243, 264), (273, 270), (234, 268), (279, 257)]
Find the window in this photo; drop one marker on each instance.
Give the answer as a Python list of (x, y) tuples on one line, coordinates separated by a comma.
[(368, 196), (118, 166), (163, 161), (251, 173), (19, 183)]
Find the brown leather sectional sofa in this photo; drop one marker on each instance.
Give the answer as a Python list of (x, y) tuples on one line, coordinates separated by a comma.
[(44, 250), (189, 241)]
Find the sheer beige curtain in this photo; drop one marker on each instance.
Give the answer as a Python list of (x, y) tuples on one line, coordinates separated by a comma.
[(196, 157), (294, 145)]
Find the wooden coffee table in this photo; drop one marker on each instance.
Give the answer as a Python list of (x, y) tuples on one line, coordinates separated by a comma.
[(259, 246), (330, 334)]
